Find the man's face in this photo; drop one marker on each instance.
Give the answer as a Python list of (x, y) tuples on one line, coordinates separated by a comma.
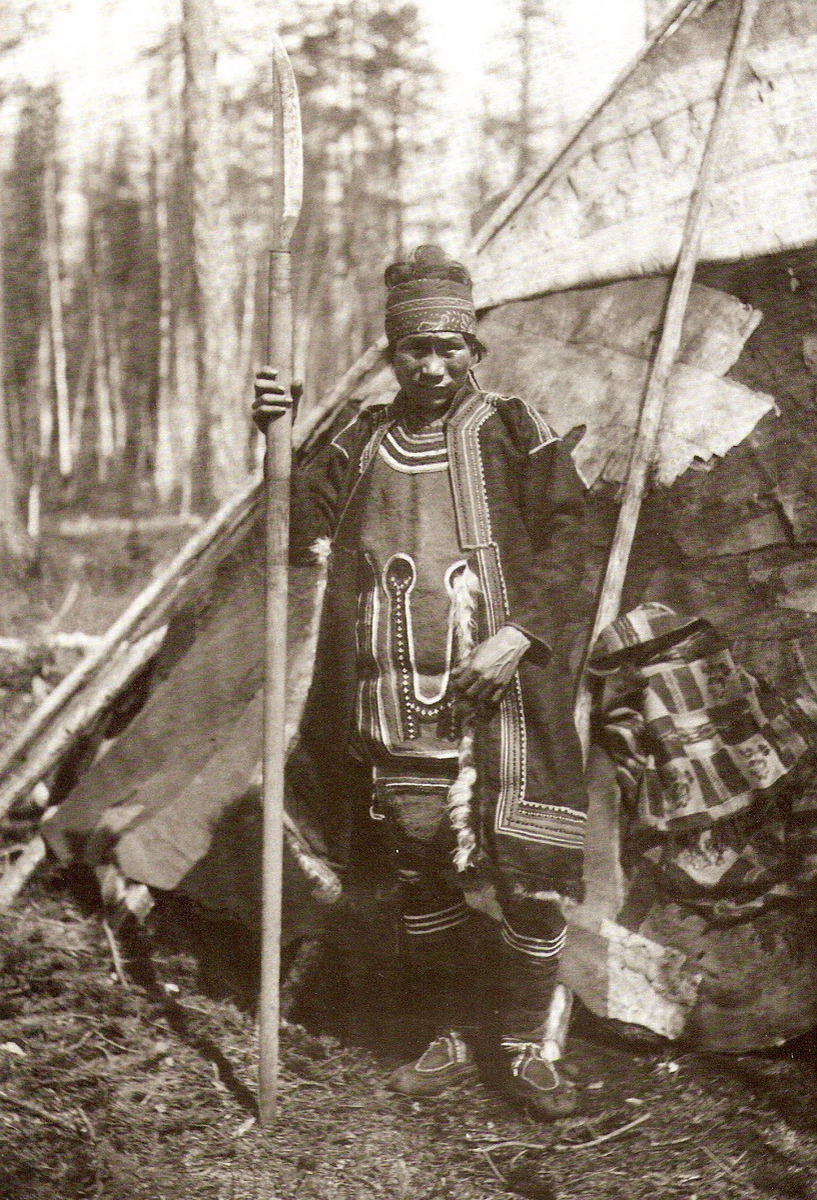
[(431, 368)]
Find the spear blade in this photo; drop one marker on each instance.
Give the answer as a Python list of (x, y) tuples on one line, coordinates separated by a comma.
[(287, 147)]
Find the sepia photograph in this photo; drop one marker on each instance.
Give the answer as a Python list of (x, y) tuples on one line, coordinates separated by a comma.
[(408, 599)]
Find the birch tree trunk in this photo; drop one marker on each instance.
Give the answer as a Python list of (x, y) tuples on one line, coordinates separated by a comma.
[(52, 258), (12, 541), (109, 331), (45, 420), (113, 346), (189, 415), (224, 434), (177, 398), (81, 399), (105, 445), (165, 466)]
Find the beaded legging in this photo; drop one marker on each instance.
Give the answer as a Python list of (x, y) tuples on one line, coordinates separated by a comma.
[(440, 950)]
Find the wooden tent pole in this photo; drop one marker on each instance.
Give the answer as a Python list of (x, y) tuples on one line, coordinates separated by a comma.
[(655, 394), (287, 184)]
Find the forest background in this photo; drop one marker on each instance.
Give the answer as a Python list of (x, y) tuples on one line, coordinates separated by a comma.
[(135, 199)]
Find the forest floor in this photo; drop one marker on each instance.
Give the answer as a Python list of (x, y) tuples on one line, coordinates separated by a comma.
[(142, 1085), (135, 1078)]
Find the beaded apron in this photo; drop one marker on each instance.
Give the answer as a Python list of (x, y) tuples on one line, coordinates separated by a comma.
[(410, 554)]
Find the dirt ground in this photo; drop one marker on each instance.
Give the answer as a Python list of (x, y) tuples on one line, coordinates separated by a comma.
[(128, 1059), (138, 1084)]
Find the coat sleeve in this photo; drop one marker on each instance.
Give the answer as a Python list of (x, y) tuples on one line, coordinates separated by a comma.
[(553, 503), (319, 490), (315, 499)]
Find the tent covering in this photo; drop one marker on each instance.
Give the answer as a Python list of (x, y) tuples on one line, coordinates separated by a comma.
[(612, 204)]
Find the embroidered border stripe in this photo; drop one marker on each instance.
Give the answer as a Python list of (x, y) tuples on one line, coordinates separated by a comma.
[(474, 520), (436, 922), (533, 947), (546, 434), (529, 821), (414, 453)]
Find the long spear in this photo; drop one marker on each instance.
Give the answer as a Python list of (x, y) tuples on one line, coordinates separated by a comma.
[(286, 206)]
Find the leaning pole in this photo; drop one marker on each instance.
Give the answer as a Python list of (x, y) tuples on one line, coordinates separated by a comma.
[(652, 408)]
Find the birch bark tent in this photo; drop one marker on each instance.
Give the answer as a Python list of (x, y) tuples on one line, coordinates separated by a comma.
[(571, 276)]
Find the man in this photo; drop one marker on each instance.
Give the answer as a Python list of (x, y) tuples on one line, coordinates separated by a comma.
[(441, 688)]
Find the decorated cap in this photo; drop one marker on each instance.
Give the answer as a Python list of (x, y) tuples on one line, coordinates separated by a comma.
[(429, 293)]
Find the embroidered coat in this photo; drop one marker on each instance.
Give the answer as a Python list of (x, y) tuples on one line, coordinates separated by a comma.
[(519, 508)]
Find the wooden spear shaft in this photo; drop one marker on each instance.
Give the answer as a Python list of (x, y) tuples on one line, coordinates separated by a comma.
[(287, 183), (655, 394), (277, 467)]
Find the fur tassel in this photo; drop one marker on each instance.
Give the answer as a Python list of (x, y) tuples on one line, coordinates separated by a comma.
[(460, 795), (321, 548), (465, 589), (327, 884), (569, 905)]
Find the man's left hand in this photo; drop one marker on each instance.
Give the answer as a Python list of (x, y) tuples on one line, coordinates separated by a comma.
[(491, 667)]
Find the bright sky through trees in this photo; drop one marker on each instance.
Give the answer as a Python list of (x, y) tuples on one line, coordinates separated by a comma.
[(147, 198), (93, 47), (600, 35)]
